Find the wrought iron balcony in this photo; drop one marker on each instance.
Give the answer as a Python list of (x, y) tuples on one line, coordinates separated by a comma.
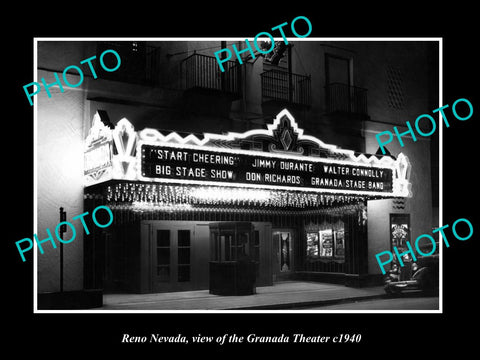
[(342, 98), (202, 72), (287, 87)]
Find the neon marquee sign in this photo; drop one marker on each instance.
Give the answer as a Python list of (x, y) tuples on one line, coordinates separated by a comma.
[(279, 157), (167, 164)]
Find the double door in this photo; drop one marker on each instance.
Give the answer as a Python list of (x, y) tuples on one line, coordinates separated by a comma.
[(173, 256)]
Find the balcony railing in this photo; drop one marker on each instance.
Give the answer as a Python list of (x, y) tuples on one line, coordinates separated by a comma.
[(284, 86), (202, 72), (342, 98)]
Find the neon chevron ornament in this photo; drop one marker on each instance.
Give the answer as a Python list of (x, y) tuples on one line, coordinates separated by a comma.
[(124, 138)]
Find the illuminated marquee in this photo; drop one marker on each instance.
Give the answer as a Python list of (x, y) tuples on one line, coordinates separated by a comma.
[(169, 164), (280, 157)]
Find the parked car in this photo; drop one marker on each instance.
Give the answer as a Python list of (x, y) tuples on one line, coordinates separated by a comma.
[(422, 275)]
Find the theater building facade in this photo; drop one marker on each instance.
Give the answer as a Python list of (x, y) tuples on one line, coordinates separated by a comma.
[(299, 204), (274, 161)]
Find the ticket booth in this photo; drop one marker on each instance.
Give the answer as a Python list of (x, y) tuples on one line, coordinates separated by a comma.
[(233, 265)]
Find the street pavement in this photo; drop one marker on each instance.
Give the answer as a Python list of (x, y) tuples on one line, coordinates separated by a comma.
[(287, 295), (282, 295)]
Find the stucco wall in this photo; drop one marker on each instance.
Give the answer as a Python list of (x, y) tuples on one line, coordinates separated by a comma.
[(59, 182)]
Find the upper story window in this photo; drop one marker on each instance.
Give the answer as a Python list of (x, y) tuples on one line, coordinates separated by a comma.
[(341, 96), (337, 70)]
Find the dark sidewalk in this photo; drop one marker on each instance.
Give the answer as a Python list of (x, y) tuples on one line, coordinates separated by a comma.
[(282, 295)]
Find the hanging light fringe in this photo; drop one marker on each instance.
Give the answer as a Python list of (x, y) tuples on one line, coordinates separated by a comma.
[(145, 197)]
